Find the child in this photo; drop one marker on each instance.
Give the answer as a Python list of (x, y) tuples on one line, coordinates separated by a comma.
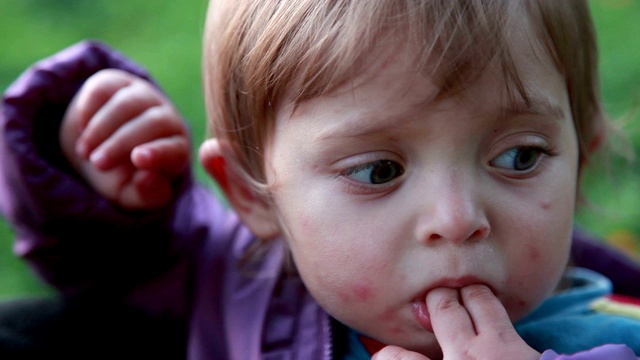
[(418, 162)]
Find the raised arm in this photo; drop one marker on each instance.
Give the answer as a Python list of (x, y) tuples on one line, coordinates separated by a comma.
[(75, 231)]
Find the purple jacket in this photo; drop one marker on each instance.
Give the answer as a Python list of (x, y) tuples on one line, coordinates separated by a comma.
[(183, 262)]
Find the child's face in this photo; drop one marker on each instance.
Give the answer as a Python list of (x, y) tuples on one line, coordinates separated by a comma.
[(384, 193)]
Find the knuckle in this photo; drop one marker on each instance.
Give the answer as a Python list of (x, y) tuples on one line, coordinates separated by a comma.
[(106, 74), (469, 354), (130, 98), (507, 334), (147, 91), (104, 80), (158, 117), (477, 292), (135, 97), (449, 301), (165, 117)]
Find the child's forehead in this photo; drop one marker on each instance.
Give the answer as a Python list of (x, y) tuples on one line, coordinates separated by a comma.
[(452, 57), (396, 85), (398, 64)]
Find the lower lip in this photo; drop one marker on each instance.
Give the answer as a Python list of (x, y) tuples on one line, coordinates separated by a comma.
[(422, 315)]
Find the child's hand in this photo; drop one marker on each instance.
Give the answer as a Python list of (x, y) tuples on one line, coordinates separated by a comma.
[(126, 139), (479, 329)]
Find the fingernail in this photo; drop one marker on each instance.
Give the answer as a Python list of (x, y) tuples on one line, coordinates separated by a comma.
[(143, 154)]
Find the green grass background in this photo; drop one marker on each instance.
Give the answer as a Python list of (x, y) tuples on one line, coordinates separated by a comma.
[(165, 37)]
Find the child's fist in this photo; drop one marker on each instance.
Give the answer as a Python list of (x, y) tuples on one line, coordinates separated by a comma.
[(126, 139)]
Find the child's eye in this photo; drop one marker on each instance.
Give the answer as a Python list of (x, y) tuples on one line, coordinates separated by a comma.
[(376, 172), (520, 158)]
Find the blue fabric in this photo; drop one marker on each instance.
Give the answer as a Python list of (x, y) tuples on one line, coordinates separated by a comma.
[(566, 323), (356, 350)]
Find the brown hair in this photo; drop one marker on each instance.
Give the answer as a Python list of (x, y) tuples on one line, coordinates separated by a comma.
[(256, 51)]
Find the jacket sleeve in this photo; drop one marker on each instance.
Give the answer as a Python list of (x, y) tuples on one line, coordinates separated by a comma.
[(592, 253), (605, 352), (72, 237)]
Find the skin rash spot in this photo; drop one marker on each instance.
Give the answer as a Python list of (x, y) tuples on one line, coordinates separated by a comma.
[(387, 317), (362, 293), (397, 330), (534, 253), (357, 293)]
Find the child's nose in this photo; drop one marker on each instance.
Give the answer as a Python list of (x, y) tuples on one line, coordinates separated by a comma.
[(453, 212)]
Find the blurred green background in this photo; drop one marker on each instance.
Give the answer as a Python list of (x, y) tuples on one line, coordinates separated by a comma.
[(165, 37)]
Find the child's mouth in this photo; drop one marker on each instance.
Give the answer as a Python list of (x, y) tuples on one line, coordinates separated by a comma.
[(420, 310)]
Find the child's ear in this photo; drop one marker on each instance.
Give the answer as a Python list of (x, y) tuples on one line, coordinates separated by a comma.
[(254, 211), (597, 141), (599, 136)]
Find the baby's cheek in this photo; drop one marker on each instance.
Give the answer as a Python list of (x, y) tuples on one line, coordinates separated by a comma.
[(388, 321), (531, 283), (533, 253), (364, 280)]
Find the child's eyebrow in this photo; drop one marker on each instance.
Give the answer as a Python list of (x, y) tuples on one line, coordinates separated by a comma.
[(357, 129), (539, 106), (536, 106)]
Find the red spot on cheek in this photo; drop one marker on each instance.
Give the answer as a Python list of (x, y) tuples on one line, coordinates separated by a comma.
[(306, 223), (362, 293), (388, 320), (397, 331), (356, 293), (546, 205), (534, 253), (522, 303), (387, 316)]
